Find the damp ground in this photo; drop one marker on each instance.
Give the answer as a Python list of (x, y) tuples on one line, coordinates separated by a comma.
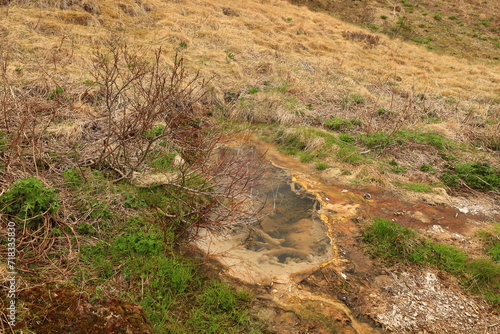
[(337, 284)]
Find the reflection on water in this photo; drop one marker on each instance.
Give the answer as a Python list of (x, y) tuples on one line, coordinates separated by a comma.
[(289, 236)]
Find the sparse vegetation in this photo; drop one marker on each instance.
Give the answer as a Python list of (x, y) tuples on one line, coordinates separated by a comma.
[(491, 240), (418, 187), (395, 243), (476, 175), (176, 294)]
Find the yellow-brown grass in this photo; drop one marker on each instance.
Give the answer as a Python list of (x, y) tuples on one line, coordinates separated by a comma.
[(246, 44)]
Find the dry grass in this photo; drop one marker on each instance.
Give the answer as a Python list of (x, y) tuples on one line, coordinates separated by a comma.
[(287, 52), (466, 28)]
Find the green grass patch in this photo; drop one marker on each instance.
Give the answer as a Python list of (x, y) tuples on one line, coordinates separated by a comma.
[(418, 187), (491, 240), (476, 175), (377, 140), (339, 124), (164, 162), (253, 90), (291, 145), (177, 296), (30, 200), (427, 138), (321, 166), (422, 40), (396, 243), (155, 132), (350, 154), (306, 157), (427, 168)]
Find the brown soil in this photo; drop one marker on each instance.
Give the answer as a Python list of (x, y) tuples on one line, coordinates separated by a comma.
[(62, 309)]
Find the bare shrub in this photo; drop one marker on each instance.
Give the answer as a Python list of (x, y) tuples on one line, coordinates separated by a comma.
[(142, 103), (142, 109), (215, 192)]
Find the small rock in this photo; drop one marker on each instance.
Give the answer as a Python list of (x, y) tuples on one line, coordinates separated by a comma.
[(436, 229), (367, 196)]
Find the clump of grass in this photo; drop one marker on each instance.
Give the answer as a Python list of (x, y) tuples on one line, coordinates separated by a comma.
[(350, 154), (290, 144), (175, 294), (428, 138), (306, 157), (164, 162), (253, 90), (384, 113), (476, 175), (339, 124), (418, 187), (378, 140), (395, 243), (347, 138), (29, 199), (389, 240), (55, 93), (491, 240), (154, 132), (427, 168), (321, 166)]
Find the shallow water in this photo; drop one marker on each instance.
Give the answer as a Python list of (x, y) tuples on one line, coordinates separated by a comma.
[(288, 237)]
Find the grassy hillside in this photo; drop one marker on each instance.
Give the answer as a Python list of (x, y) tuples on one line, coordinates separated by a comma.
[(468, 29), (111, 112)]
